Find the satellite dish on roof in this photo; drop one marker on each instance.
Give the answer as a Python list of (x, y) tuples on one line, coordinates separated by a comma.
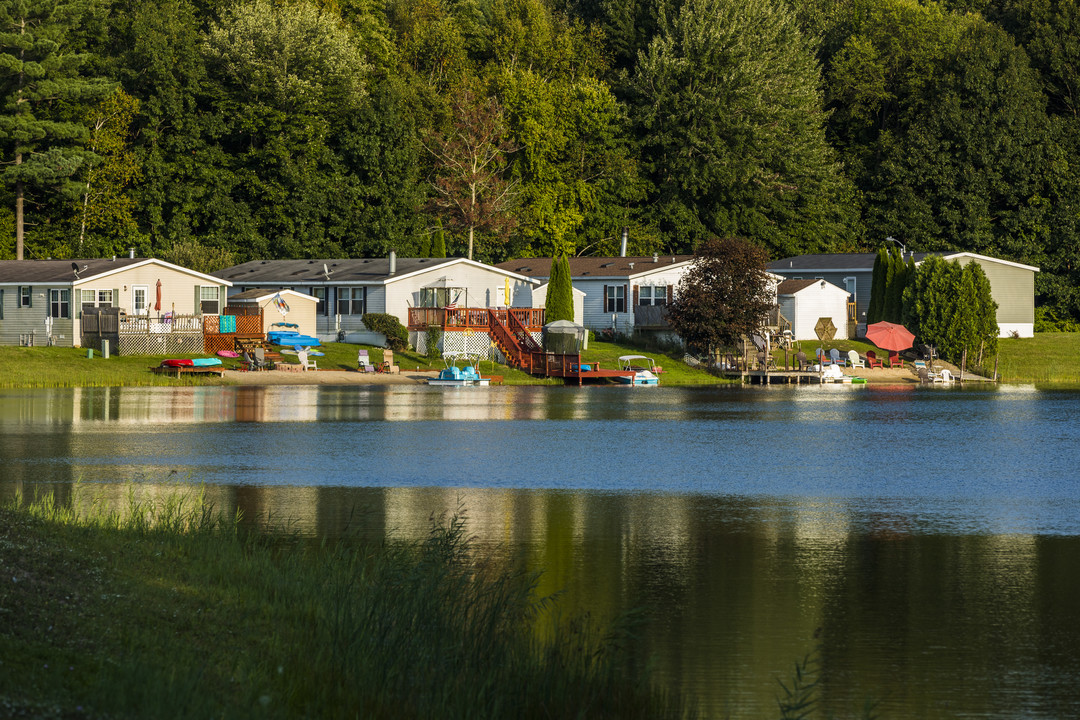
[(326, 271), (75, 269)]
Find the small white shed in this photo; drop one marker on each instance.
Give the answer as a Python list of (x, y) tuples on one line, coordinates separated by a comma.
[(539, 300), (804, 302)]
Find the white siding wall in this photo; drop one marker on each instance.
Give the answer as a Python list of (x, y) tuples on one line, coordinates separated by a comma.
[(813, 303), (487, 288), (595, 315), (539, 300)]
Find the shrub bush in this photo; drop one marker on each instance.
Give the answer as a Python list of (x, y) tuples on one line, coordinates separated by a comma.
[(397, 337), (434, 334)]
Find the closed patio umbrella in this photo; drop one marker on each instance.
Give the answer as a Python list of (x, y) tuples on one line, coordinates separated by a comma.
[(890, 336), (157, 305)]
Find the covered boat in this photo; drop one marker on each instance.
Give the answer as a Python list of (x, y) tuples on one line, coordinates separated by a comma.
[(644, 370)]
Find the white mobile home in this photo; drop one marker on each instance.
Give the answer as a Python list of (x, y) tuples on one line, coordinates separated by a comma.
[(42, 301)]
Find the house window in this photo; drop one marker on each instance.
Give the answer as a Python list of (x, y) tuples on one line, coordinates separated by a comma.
[(138, 300), (614, 298), (104, 298), (652, 295), (60, 303), (25, 297), (437, 297), (320, 293), (351, 301), (209, 299)]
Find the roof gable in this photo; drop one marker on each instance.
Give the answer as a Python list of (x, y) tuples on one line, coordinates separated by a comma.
[(81, 271)]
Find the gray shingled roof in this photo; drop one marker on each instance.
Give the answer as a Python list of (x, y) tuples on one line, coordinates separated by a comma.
[(58, 271), (830, 261), (300, 272), (594, 266)]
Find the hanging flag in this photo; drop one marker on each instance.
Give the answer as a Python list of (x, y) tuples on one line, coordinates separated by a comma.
[(282, 306)]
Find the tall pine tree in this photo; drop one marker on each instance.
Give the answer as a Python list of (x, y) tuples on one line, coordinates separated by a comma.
[(39, 79)]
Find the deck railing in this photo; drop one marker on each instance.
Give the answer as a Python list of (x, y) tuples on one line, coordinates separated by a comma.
[(452, 319)]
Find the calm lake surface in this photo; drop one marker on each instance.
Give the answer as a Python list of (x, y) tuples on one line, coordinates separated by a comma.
[(925, 542)]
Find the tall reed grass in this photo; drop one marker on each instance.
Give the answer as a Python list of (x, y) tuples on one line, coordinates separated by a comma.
[(181, 613)]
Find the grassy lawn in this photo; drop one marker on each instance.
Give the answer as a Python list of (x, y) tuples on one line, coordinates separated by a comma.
[(165, 610), (44, 367), (1047, 357)]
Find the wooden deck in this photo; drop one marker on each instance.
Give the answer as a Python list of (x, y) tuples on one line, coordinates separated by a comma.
[(474, 319)]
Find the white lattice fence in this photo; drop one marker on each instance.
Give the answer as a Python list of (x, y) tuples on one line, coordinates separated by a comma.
[(161, 344), (474, 343)]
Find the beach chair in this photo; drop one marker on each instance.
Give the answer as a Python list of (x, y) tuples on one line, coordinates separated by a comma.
[(834, 356), (924, 375), (853, 359), (261, 363), (388, 365), (822, 358), (895, 359), (804, 362), (363, 362), (872, 360), (306, 362)]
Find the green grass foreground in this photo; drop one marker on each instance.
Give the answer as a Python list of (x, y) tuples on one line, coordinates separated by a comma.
[(1045, 358), (51, 367), (168, 611)]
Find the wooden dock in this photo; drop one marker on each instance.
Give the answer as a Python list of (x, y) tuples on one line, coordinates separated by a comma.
[(776, 377)]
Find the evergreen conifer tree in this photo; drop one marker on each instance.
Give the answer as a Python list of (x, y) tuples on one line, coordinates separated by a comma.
[(38, 80), (560, 294), (438, 245), (877, 288), (894, 292)]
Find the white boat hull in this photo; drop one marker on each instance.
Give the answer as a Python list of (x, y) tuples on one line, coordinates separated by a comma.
[(643, 377), (482, 382)]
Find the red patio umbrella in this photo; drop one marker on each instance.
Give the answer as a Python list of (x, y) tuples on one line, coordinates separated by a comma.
[(157, 305), (890, 336)]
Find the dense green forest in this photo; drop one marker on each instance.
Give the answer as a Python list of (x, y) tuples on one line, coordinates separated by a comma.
[(210, 132)]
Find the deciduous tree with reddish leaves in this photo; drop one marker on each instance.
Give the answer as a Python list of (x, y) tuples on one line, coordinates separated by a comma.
[(725, 295)]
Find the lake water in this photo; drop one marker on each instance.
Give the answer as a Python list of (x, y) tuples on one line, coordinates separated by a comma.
[(923, 542)]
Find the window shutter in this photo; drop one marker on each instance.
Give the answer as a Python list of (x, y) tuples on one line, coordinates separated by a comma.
[(637, 291), (115, 298), (30, 297), (670, 294), (626, 296), (605, 297), (1, 303), (198, 300)]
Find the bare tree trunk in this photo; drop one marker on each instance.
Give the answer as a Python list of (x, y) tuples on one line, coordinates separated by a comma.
[(18, 161), (470, 241), (18, 213)]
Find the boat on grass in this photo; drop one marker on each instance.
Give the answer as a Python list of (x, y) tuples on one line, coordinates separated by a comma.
[(454, 376), (644, 369)]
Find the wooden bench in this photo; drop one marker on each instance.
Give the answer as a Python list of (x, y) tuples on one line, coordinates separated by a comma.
[(218, 370)]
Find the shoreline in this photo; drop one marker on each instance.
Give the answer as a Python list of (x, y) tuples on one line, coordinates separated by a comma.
[(877, 376)]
